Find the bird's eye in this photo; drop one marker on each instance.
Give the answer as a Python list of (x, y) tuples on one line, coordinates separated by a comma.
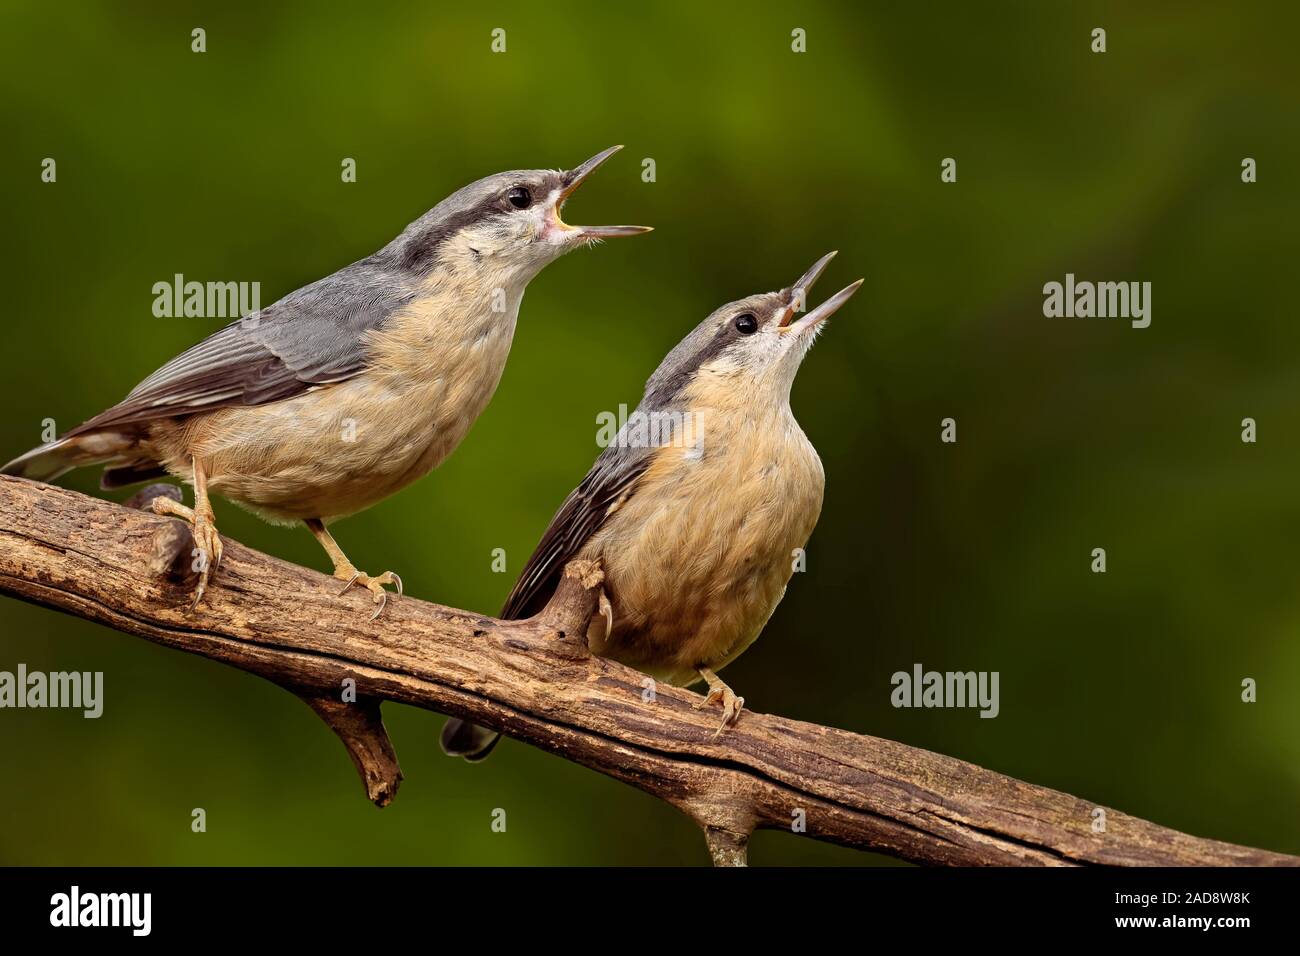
[(519, 197), (746, 324)]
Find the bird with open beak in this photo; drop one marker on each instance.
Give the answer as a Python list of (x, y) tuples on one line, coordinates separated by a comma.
[(347, 390), (697, 507)]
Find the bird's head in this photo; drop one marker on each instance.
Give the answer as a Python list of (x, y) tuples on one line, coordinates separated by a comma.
[(748, 349), (507, 223)]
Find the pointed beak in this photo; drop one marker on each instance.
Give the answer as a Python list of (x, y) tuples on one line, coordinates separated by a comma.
[(825, 310), (572, 180), (799, 291)]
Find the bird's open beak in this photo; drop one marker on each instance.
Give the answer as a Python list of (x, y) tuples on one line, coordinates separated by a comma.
[(799, 296), (799, 291), (572, 180)]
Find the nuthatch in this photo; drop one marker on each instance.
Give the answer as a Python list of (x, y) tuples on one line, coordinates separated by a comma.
[(696, 509), (348, 389)]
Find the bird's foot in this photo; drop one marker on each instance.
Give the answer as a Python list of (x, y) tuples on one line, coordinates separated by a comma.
[(719, 692), (207, 542), (375, 585)]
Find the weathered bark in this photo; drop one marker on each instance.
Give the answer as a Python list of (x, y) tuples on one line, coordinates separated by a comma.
[(535, 681)]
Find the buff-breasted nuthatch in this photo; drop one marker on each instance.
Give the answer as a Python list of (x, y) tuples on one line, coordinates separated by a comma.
[(697, 509), (348, 389)]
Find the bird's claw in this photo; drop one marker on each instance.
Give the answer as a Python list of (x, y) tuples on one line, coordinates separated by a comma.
[(375, 585), (607, 612), (207, 542), (732, 704)]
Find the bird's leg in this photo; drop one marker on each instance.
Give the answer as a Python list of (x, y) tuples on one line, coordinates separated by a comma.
[(346, 571), (720, 692), (203, 528)]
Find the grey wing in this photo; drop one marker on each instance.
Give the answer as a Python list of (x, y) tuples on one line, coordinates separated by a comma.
[(314, 336), (613, 476)]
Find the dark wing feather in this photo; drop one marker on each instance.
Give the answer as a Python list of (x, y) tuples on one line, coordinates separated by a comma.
[(314, 336), (614, 475)]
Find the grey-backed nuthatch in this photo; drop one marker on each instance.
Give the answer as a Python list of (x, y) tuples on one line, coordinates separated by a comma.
[(696, 509), (348, 389)]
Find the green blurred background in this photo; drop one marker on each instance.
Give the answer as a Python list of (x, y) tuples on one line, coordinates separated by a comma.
[(1123, 688)]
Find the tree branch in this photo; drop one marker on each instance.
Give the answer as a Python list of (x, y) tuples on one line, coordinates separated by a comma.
[(535, 681)]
